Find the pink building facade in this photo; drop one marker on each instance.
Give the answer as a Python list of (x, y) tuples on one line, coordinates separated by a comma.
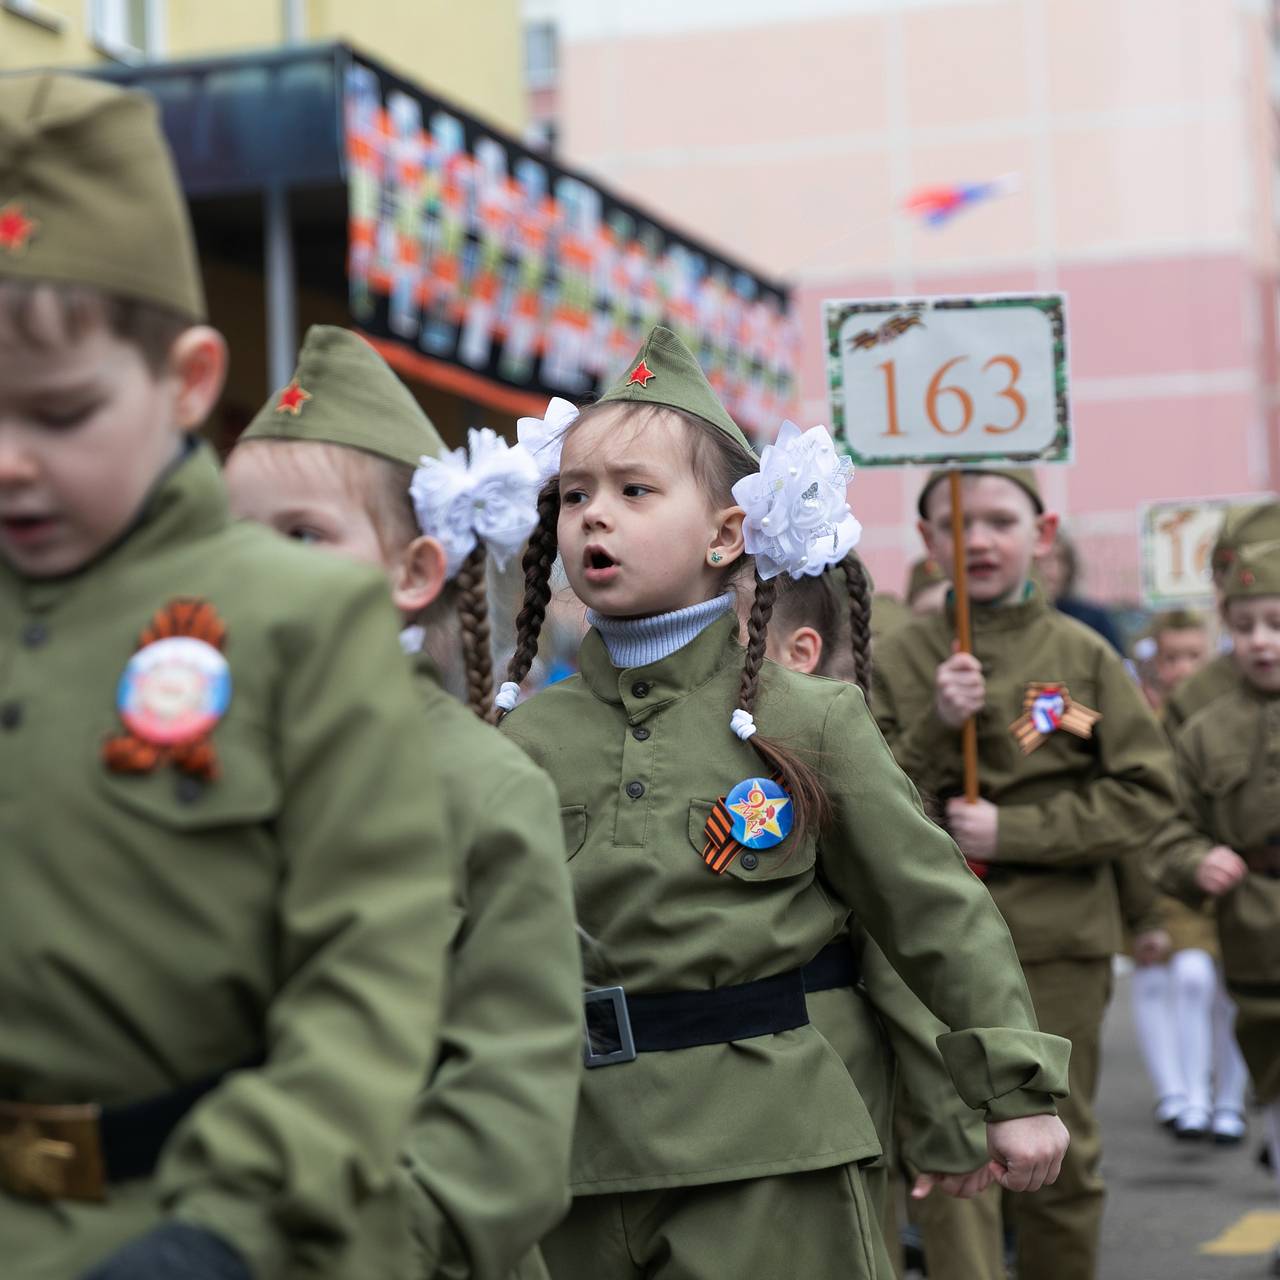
[(1142, 135)]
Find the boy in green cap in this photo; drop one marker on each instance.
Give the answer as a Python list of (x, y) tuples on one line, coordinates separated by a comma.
[(487, 1155), (229, 882), (723, 818), (1075, 777), (1229, 848)]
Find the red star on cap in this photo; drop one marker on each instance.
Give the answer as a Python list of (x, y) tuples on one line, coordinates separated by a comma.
[(641, 374), (292, 398), (16, 229)]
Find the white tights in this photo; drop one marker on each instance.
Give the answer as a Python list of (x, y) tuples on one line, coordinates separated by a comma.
[(1185, 1022)]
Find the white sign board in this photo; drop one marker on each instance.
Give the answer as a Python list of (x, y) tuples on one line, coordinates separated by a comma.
[(938, 380), (1177, 541)]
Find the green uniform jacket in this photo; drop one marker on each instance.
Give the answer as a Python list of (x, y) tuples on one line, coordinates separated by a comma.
[(640, 757), (1229, 771), (489, 1146), (1210, 682), (155, 931), (1070, 808)]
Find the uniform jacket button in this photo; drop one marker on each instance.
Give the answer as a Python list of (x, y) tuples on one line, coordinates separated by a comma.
[(34, 634), (635, 790), (640, 689), (749, 861), (11, 715), (189, 789), (640, 733)]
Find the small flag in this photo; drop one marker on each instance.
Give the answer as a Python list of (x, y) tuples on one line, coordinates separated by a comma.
[(938, 205)]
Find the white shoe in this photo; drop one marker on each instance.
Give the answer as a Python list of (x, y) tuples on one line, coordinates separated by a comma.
[(1169, 1108), (1192, 1125), (1229, 1127)]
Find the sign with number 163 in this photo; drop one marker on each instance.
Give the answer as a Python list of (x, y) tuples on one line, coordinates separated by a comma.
[(938, 380)]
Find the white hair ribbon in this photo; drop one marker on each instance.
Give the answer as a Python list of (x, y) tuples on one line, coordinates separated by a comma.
[(508, 696), (492, 497), (798, 516), (544, 437), (742, 723)]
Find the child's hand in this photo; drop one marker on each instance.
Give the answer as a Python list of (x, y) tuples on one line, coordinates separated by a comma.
[(1152, 947), (962, 1186), (1026, 1154), (1221, 870), (973, 827), (959, 689)]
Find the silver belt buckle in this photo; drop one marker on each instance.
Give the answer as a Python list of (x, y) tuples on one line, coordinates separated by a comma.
[(616, 1001)]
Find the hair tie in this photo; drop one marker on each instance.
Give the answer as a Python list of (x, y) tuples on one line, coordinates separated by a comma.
[(742, 723), (797, 509), (508, 696), (490, 496)]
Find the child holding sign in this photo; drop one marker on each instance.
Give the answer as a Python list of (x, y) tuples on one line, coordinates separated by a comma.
[(1074, 775), (723, 817)]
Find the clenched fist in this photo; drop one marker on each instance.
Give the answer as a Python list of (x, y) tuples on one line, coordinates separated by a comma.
[(959, 689), (1221, 870), (1026, 1154)]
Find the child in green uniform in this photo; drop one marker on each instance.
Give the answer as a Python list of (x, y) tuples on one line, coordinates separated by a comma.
[(819, 627), (713, 864), (1075, 776), (1229, 767), (359, 470), (228, 877)]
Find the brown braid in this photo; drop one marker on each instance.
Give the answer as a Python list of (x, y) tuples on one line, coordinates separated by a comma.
[(802, 783), (539, 558), (473, 614), (855, 577)]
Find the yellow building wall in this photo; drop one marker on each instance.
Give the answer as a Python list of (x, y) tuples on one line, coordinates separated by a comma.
[(468, 52)]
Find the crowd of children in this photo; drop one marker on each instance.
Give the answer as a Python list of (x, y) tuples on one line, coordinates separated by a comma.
[(313, 968)]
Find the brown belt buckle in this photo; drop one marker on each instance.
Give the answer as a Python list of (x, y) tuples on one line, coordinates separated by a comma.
[(51, 1152)]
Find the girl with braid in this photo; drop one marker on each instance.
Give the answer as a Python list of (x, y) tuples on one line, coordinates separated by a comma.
[(344, 458), (723, 818)]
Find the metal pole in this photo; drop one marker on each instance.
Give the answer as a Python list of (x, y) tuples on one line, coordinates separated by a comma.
[(282, 305)]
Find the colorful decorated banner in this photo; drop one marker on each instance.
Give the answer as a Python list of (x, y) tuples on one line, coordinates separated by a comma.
[(1177, 541), (949, 380), (479, 253)]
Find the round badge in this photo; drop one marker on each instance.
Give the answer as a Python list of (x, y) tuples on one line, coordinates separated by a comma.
[(761, 813), (174, 691), (1047, 711)]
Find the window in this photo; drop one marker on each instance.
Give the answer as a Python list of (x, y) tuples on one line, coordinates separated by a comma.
[(540, 55), (128, 30)]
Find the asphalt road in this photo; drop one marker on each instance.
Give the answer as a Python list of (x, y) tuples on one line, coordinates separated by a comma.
[(1167, 1200)]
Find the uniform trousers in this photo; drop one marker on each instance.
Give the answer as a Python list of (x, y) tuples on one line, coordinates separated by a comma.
[(817, 1224)]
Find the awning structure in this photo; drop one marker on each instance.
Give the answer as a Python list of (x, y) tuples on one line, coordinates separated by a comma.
[(476, 265)]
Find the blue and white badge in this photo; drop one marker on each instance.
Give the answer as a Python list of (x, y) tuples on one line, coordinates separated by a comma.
[(761, 813), (174, 691)]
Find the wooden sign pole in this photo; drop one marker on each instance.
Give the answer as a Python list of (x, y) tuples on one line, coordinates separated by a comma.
[(964, 633)]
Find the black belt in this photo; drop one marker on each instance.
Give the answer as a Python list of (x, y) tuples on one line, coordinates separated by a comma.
[(620, 1026)]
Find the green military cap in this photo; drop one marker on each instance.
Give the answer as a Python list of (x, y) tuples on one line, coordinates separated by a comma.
[(1256, 522), (343, 392), (1255, 571), (1023, 477), (665, 372), (1176, 620), (923, 574), (89, 196)]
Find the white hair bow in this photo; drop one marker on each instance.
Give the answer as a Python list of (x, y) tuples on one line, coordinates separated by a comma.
[(798, 515), (544, 437), (491, 498)]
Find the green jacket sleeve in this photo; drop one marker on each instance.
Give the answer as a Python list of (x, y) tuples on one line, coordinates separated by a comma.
[(1116, 813), (942, 1134), (488, 1150), (1139, 897), (280, 1157), (906, 881), (1185, 841), (919, 744)]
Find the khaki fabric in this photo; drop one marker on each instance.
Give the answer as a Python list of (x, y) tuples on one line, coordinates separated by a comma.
[(343, 392), (639, 758), (1023, 477), (963, 1239), (1220, 676), (1070, 809), (89, 196), (487, 1151), (1255, 570), (665, 372), (816, 1225), (156, 931)]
